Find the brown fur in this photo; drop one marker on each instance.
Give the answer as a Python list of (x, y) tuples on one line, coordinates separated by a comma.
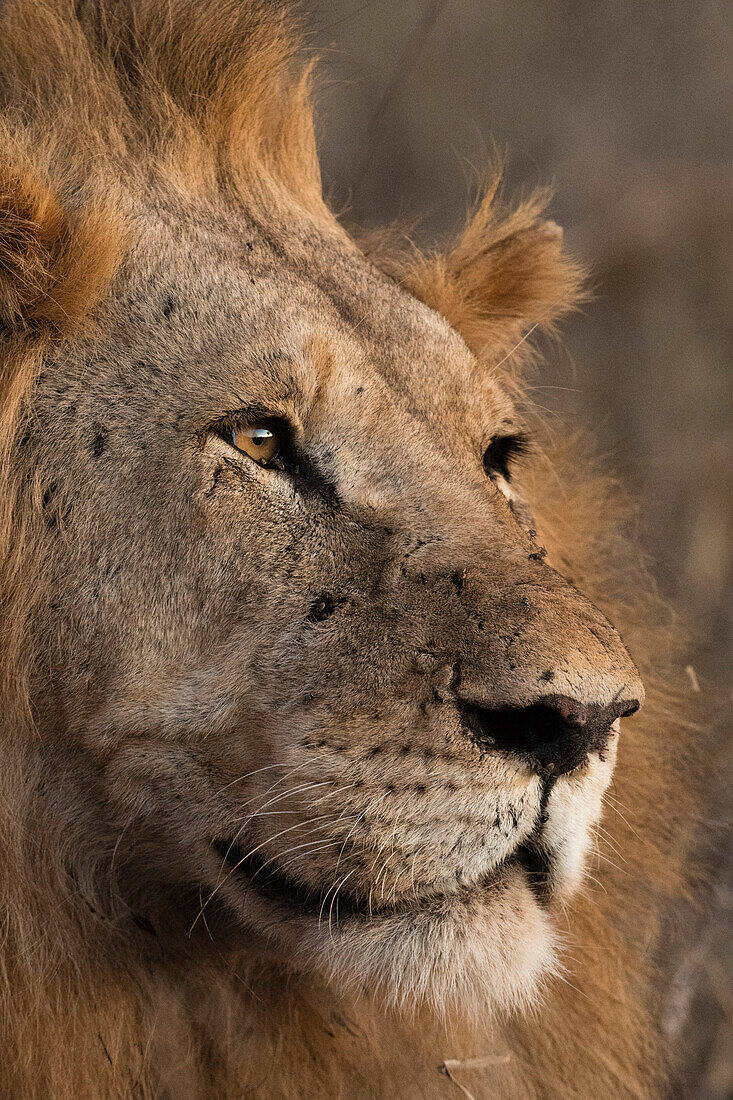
[(170, 620)]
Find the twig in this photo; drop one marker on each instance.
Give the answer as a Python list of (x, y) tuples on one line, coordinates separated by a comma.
[(693, 678), (405, 64), (450, 1064)]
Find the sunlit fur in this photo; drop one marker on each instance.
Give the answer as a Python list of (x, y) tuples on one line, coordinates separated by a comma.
[(143, 145)]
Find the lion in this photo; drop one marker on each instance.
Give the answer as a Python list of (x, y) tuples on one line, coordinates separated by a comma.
[(312, 705)]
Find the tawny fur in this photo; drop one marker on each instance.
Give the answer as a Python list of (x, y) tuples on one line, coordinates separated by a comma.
[(200, 111)]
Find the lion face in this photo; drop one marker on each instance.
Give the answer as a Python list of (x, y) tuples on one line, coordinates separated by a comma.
[(315, 683)]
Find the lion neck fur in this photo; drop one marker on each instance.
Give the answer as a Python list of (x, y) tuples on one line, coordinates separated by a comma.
[(88, 1010)]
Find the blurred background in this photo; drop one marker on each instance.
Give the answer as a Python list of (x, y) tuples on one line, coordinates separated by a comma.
[(627, 109)]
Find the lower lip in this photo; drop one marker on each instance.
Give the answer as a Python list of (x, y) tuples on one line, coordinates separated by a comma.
[(279, 889)]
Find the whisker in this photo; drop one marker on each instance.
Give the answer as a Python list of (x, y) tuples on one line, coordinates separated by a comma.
[(285, 794), (332, 793), (250, 817), (279, 856), (360, 818), (220, 881), (412, 871), (518, 345), (373, 884), (333, 900), (248, 775), (598, 882), (281, 779), (615, 866), (610, 799), (323, 845), (607, 839)]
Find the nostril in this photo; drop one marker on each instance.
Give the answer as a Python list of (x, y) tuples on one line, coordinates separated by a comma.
[(555, 734), (569, 710), (521, 730)]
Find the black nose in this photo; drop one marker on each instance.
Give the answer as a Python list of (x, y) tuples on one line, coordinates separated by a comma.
[(555, 734)]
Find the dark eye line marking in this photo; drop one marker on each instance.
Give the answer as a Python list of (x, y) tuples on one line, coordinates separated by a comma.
[(502, 451)]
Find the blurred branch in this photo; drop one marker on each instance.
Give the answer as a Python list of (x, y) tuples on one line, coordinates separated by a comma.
[(403, 69)]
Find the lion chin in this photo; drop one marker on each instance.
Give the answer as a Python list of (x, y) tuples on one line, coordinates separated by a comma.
[(482, 949)]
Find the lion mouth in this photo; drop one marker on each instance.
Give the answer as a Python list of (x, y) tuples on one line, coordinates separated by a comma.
[(253, 871)]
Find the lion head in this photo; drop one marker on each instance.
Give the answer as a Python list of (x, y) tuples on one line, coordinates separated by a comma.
[(302, 676)]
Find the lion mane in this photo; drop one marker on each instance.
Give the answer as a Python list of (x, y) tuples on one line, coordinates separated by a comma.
[(214, 98)]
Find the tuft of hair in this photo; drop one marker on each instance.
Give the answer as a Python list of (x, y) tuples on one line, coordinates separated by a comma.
[(53, 263), (457, 959), (504, 275)]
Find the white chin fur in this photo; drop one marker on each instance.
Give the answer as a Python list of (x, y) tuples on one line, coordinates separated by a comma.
[(574, 808), (482, 953)]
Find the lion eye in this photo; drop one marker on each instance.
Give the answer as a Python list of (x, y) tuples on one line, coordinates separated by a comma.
[(498, 457), (259, 442), (500, 453)]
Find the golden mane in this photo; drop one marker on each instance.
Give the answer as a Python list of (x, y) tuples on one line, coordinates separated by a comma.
[(215, 92), (97, 96)]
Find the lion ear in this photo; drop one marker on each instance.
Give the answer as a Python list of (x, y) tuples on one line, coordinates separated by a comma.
[(54, 264), (505, 274)]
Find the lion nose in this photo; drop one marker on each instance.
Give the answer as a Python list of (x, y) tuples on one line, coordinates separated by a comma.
[(555, 734)]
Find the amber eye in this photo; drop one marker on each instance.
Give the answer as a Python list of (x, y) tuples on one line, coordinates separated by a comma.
[(258, 441)]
